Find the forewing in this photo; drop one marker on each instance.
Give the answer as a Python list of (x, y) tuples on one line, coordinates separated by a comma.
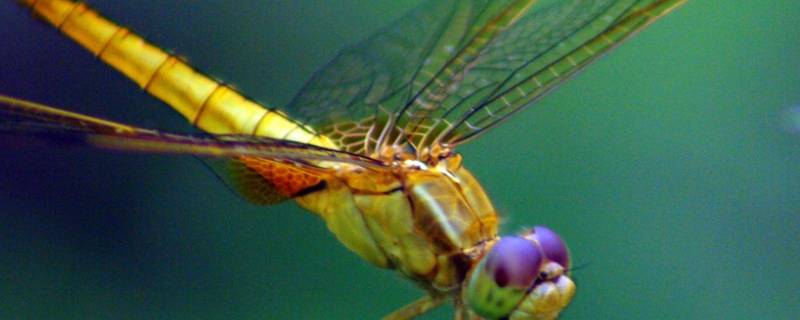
[(533, 57), (452, 69), (359, 97)]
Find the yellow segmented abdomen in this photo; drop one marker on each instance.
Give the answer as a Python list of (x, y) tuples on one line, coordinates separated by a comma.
[(206, 103)]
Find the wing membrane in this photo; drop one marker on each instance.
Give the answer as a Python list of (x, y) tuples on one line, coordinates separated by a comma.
[(452, 69), (429, 96), (23, 117), (266, 181), (358, 98), (524, 82), (262, 170)]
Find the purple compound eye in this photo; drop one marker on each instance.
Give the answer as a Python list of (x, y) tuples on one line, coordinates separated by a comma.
[(513, 261), (502, 277), (552, 246)]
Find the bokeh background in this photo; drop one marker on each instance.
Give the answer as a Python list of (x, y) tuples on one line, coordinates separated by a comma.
[(671, 167)]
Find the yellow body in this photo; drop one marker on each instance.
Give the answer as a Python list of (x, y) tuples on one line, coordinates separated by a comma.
[(206, 103), (417, 211), (418, 219)]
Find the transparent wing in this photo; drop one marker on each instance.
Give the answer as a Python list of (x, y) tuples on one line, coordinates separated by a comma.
[(358, 97), (513, 76), (263, 170), (451, 69), (22, 117)]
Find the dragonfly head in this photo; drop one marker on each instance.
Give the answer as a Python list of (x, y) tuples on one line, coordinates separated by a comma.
[(521, 277)]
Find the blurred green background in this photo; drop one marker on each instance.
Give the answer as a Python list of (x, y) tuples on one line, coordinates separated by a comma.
[(669, 167)]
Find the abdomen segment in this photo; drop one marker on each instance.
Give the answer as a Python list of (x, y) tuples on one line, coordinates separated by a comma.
[(206, 103)]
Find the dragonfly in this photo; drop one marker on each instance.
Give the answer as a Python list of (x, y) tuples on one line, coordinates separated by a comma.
[(368, 144)]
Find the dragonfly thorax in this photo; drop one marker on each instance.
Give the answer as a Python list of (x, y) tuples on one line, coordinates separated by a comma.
[(421, 217), (450, 215), (396, 154)]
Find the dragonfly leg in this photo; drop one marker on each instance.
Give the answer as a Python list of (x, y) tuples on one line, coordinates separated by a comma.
[(416, 308), (462, 313)]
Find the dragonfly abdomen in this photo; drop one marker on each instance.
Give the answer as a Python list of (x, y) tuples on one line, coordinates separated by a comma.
[(205, 102)]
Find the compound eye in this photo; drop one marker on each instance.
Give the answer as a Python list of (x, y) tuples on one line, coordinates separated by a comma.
[(503, 276), (552, 246), (513, 261)]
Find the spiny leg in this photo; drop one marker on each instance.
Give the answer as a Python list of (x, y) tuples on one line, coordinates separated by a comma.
[(416, 308), (461, 311)]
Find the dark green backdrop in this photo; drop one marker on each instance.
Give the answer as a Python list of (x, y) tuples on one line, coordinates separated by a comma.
[(667, 166)]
